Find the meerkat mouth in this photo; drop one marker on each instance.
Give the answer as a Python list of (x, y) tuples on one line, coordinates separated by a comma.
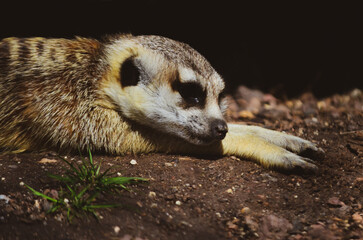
[(201, 139)]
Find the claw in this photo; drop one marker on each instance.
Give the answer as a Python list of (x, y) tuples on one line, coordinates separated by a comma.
[(295, 162)]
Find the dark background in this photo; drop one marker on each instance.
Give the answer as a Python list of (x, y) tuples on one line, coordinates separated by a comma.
[(279, 47)]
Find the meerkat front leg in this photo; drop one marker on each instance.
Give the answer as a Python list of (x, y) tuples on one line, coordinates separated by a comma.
[(289, 142), (270, 148)]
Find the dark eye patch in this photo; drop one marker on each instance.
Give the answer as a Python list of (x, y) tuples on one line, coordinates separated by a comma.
[(192, 93), (129, 73)]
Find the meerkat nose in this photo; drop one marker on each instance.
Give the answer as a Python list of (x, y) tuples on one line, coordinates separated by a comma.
[(219, 128)]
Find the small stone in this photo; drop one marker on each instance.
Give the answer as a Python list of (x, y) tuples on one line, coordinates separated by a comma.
[(334, 201), (169, 197), (54, 194), (133, 162), (319, 232), (223, 200), (357, 218), (152, 194), (230, 191), (252, 224), (231, 225), (186, 223), (167, 164), (37, 205), (21, 183), (245, 210), (178, 203), (116, 229), (198, 210), (218, 215), (2, 179), (4, 197), (275, 227), (46, 160)]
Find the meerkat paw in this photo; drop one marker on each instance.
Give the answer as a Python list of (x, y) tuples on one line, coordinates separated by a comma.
[(299, 145), (290, 162), (271, 149), (289, 142)]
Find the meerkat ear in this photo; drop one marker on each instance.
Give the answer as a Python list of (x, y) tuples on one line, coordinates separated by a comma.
[(129, 73)]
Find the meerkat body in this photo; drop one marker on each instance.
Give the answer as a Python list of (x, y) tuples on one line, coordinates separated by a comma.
[(128, 94)]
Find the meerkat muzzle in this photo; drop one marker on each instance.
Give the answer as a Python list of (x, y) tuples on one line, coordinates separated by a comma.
[(219, 129)]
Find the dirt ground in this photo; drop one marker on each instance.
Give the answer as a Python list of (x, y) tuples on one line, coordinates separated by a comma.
[(226, 198)]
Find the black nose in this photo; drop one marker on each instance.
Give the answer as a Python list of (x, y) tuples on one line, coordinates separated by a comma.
[(219, 128)]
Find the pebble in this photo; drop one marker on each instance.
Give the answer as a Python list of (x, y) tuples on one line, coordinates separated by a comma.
[(231, 225), (186, 223), (230, 191), (21, 183), (4, 197), (223, 200), (133, 162), (357, 218), (116, 229), (318, 231), (37, 205), (275, 227), (167, 164), (245, 210), (152, 194), (178, 203), (334, 201), (46, 160)]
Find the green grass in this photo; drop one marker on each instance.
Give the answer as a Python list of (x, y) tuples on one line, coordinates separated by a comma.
[(82, 184)]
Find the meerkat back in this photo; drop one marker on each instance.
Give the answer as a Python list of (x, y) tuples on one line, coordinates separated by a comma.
[(44, 84)]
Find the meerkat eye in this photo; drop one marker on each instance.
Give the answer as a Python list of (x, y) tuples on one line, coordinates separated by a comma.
[(129, 73), (192, 93)]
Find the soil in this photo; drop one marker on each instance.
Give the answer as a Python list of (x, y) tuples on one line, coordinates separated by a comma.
[(199, 198)]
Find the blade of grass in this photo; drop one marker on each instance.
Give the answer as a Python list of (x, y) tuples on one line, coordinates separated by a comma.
[(98, 169), (35, 192), (80, 194), (74, 169), (60, 178), (105, 173), (71, 190), (90, 156)]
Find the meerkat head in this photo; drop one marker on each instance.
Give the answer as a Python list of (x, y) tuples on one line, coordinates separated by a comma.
[(168, 86)]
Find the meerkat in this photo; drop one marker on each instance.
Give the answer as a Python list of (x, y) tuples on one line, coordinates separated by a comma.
[(126, 94)]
